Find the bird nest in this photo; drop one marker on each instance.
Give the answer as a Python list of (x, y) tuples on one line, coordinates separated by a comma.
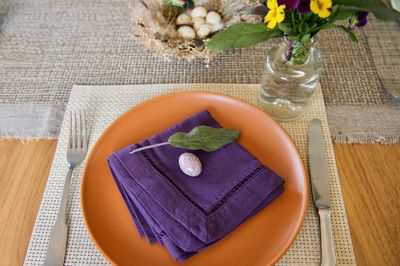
[(154, 26)]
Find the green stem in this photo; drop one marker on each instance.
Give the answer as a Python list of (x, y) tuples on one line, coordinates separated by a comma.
[(293, 24), (337, 11), (317, 29), (149, 147), (301, 22)]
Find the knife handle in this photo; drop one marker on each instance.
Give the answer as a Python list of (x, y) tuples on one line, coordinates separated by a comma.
[(328, 257)]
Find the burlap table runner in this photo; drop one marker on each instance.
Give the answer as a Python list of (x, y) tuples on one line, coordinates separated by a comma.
[(104, 104), (46, 46)]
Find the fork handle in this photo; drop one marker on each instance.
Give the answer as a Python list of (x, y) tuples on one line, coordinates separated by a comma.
[(58, 238), (64, 199)]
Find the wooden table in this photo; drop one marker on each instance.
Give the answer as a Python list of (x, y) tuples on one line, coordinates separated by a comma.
[(369, 175)]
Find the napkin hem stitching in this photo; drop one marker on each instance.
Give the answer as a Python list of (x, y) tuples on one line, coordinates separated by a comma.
[(147, 157)]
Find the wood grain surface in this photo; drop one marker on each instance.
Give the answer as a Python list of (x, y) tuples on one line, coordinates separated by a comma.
[(369, 174), (370, 179), (23, 174)]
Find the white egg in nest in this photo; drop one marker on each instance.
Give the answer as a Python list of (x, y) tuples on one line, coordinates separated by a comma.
[(187, 32), (213, 17), (198, 22), (199, 12), (204, 31), (217, 27), (183, 19)]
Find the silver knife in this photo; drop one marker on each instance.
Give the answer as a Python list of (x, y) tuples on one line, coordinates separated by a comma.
[(320, 189)]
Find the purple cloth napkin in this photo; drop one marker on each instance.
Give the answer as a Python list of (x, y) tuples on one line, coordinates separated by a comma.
[(187, 214)]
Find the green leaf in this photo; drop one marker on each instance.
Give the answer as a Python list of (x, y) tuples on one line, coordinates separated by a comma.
[(285, 28), (304, 27), (241, 35), (308, 16), (343, 14), (300, 53), (305, 38), (376, 7), (351, 34), (334, 9), (204, 138)]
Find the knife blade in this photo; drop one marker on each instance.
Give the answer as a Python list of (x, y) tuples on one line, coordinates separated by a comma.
[(319, 173)]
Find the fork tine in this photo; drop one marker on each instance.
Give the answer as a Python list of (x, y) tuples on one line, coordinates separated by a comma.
[(79, 130), (73, 129), (84, 130)]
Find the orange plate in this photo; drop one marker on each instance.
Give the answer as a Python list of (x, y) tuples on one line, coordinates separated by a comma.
[(261, 240)]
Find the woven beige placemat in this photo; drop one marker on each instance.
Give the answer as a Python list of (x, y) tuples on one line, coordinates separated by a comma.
[(105, 103)]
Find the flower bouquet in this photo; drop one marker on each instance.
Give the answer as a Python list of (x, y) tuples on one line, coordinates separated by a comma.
[(293, 67), (300, 21)]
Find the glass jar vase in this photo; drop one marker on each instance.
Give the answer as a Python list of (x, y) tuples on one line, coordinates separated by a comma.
[(289, 78)]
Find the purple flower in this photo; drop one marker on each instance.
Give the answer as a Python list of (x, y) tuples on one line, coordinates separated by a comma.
[(358, 20), (290, 4), (288, 54), (304, 6), (362, 19)]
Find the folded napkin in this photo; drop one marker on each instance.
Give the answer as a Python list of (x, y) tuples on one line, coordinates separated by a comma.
[(187, 214)]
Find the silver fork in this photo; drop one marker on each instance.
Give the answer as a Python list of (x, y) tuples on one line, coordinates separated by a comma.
[(76, 151)]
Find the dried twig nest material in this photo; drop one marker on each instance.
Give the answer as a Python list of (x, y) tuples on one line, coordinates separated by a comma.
[(170, 31)]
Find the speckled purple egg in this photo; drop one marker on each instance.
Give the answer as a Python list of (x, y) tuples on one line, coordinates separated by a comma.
[(190, 164)]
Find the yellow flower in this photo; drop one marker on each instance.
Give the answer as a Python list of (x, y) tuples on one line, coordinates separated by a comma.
[(276, 14), (321, 7)]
